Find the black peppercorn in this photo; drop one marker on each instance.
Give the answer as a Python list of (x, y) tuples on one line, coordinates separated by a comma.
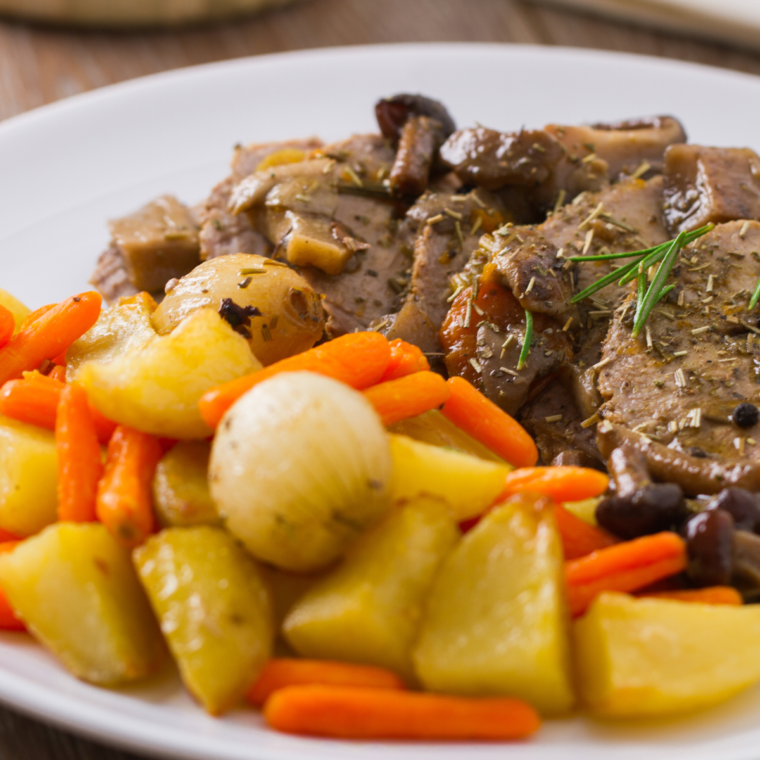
[(745, 415)]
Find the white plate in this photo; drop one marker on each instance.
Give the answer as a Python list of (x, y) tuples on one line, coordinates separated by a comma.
[(68, 167)]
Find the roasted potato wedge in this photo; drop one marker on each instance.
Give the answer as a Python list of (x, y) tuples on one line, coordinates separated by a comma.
[(156, 387), (214, 610), (369, 608), (28, 478), (466, 483), (288, 317), (122, 327), (15, 307), (640, 658), (180, 486), (75, 588), (496, 622)]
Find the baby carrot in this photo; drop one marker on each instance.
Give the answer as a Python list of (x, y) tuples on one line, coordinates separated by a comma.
[(52, 333), (357, 359), (283, 672), (560, 483), (34, 400), (33, 316), (355, 713), (406, 359), (58, 373), (8, 619), (578, 537), (408, 396), (78, 452), (6, 536), (627, 566), (471, 411), (7, 326), (709, 595), (124, 499)]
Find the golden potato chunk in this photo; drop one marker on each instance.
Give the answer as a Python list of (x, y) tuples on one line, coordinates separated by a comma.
[(368, 609), (125, 325), (496, 622), (180, 486), (467, 484), (28, 478), (156, 387), (214, 610), (655, 657), (75, 588), (15, 307), (284, 315)]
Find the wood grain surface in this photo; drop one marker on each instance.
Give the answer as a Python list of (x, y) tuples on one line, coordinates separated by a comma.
[(39, 65)]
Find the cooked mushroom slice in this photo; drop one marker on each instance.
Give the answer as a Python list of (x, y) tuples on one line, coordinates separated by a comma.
[(710, 544), (741, 504), (420, 138), (638, 507), (746, 564), (490, 159), (393, 113), (695, 475), (710, 185), (628, 147)]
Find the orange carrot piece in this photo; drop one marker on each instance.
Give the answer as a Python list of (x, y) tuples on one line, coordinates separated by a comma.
[(354, 713), (6, 536), (7, 326), (52, 333), (578, 537), (709, 595), (60, 360), (408, 396), (471, 411), (58, 373), (559, 483), (33, 316), (8, 619), (78, 452), (283, 672), (356, 359), (124, 500), (34, 400), (406, 359), (627, 566)]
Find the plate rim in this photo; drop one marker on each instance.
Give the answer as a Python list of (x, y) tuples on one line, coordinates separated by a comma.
[(44, 704)]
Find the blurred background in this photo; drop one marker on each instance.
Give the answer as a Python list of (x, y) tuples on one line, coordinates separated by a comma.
[(43, 61)]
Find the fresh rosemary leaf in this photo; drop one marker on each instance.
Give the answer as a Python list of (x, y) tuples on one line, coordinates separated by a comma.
[(755, 297), (611, 256), (603, 282), (527, 340), (654, 293)]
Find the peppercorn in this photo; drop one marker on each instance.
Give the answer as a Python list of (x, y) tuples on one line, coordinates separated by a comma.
[(745, 415)]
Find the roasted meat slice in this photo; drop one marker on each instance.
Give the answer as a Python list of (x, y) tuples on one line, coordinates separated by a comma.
[(110, 277), (678, 386), (554, 421), (148, 248), (710, 185)]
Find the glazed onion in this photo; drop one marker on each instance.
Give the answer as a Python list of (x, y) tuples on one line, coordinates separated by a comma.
[(300, 466)]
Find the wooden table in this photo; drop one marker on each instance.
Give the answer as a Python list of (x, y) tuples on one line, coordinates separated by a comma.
[(39, 65)]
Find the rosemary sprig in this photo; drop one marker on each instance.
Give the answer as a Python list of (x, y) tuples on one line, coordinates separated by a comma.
[(646, 298), (527, 340), (755, 297), (655, 291)]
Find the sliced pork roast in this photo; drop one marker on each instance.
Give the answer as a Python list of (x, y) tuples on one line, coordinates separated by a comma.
[(148, 248), (674, 393)]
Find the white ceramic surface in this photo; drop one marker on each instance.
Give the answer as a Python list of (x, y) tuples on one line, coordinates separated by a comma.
[(66, 168)]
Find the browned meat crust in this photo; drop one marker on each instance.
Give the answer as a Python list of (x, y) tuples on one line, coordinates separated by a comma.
[(110, 276), (710, 185)]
